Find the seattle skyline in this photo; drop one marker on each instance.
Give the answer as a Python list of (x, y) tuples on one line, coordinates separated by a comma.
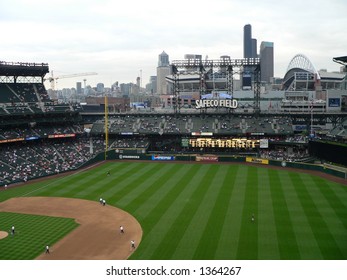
[(122, 41)]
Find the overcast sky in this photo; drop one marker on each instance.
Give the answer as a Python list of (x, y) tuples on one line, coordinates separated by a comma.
[(122, 39)]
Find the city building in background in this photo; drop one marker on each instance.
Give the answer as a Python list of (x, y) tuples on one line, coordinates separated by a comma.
[(100, 88), (151, 87), (247, 41), (163, 70), (249, 51), (79, 87), (266, 61)]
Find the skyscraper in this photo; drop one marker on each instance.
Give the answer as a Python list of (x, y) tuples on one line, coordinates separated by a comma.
[(254, 48), (247, 41), (163, 70), (266, 61), (163, 60), (79, 87), (249, 51)]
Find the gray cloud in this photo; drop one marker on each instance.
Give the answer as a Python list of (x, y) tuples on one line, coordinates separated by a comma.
[(118, 39)]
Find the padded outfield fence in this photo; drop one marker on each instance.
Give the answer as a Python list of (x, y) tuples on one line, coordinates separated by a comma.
[(329, 169)]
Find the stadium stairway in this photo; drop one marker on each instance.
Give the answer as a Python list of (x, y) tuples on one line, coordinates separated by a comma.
[(137, 125), (162, 126), (275, 126), (189, 125), (216, 125), (40, 103), (243, 126)]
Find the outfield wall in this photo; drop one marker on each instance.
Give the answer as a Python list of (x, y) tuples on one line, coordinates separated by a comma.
[(210, 158)]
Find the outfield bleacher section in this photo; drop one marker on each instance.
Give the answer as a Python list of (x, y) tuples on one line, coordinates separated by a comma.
[(186, 124)]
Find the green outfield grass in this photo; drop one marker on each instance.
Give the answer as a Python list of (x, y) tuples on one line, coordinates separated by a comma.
[(203, 211)]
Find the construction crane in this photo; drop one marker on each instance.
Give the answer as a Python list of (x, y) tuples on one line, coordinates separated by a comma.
[(53, 80)]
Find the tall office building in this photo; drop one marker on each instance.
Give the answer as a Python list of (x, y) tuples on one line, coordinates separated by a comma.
[(254, 48), (79, 87), (163, 70), (266, 61), (100, 87), (247, 41), (249, 51), (152, 85), (163, 60)]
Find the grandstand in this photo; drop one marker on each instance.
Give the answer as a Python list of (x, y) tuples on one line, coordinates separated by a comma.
[(38, 137)]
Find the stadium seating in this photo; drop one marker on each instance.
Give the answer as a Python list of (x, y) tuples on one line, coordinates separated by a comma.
[(178, 125), (339, 132), (7, 95), (21, 161), (125, 143), (29, 98)]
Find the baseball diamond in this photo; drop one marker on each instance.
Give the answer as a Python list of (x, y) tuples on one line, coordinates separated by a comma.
[(187, 211)]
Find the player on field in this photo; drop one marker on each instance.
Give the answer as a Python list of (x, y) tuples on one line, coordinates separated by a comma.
[(132, 243)]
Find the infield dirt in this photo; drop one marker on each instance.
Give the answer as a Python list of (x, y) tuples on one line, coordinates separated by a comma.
[(96, 238), (3, 234)]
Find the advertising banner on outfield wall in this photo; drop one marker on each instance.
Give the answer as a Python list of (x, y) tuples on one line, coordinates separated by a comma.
[(128, 157), (257, 160), (207, 158), (159, 157)]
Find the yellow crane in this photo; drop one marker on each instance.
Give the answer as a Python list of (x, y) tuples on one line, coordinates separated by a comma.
[(53, 80)]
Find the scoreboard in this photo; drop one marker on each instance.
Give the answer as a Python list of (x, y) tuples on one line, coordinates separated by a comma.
[(234, 143)]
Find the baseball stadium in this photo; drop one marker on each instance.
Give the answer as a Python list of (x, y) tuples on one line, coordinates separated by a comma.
[(215, 174)]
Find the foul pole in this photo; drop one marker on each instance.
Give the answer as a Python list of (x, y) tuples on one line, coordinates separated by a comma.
[(106, 126)]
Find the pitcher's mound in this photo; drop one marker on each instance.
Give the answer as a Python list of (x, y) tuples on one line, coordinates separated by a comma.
[(3, 234)]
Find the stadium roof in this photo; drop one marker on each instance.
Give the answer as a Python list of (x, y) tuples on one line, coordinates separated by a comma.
[(299, 64), (331, 75), (301, 61), (23, 69), (340, 59)]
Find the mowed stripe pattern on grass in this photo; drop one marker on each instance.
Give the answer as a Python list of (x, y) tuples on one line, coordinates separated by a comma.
[(203, 211)]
